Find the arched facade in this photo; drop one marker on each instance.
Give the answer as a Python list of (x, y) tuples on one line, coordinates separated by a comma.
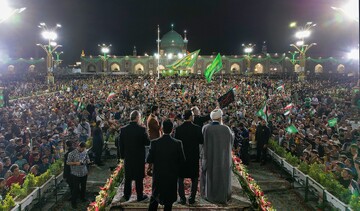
[(11, 68), (235, 68), (341, 68), (115, 67), (31, 68), (91, 68), (139, 68), (259, 68), (319, 69), (161, 68)]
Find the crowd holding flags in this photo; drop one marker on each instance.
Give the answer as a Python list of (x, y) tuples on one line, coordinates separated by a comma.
[(263, 112), (291, 129), (332, 122), (281, 88), (288, 109), (215, 67), (227, 98), (111, 96)]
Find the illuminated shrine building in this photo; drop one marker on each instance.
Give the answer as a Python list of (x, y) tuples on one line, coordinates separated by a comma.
[(174, 46)]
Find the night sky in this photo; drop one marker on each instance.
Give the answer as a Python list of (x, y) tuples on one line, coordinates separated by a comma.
[(212, 25)]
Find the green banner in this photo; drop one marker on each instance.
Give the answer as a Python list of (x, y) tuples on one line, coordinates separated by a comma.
[(262, 112), (291, 129), (332, 122), (215, 67), (187, 62)]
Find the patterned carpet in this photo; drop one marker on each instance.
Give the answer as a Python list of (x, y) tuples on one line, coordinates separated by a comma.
[(239, 201)]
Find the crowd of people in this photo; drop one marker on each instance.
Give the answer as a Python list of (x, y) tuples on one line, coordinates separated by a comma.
[(34, 131)]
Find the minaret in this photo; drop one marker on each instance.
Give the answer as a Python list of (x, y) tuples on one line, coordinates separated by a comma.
[(264, 48), (82, 53), (134, 51), (185, 40)]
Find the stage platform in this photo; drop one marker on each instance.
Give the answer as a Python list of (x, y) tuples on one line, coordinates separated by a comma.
[(239, 200)]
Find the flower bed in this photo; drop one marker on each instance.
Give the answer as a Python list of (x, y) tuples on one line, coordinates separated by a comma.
[(254, 192), (108, 192)]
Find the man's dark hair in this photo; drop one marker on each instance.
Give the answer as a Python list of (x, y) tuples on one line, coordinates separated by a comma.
[(69, 143), (134, 114), (187, 114), (167, 126), (82, 145), (154, 108)]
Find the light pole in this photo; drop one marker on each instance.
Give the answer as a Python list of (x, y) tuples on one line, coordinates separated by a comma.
[(248, 49), (303, 33), (105, 49), (50, 35), (353, 55), (293, 55), (158, 52), (58, 61), (6, 11)]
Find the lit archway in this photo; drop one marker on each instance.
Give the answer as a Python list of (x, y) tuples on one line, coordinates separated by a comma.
[(31, 68), (318, 68), (259, 69), (115, 67), (235, 68), (139, 68), (11, 68), (340, 68), (161, 68)]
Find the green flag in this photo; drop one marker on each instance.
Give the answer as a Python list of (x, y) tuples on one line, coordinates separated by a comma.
[(215, 67), (262, 112), (187, 62), (291, 129), (332, 122), (76, 103)]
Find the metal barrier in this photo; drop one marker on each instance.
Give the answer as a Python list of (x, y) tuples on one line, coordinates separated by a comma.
[(39, 194)]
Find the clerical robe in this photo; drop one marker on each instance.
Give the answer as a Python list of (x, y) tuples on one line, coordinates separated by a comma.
[(216, 162)]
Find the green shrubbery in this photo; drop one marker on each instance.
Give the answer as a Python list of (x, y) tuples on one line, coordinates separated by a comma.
[(7, 203), (319, 174), (30, 182)]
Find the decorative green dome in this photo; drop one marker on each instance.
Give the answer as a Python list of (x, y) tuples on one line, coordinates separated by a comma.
[(172, 42)]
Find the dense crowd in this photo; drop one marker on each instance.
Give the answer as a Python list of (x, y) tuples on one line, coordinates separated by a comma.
[(33, 131)]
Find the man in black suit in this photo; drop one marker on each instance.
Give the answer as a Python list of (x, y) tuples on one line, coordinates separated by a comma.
[(133, 139), (262, 136), (191, 136), (166, 154)]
